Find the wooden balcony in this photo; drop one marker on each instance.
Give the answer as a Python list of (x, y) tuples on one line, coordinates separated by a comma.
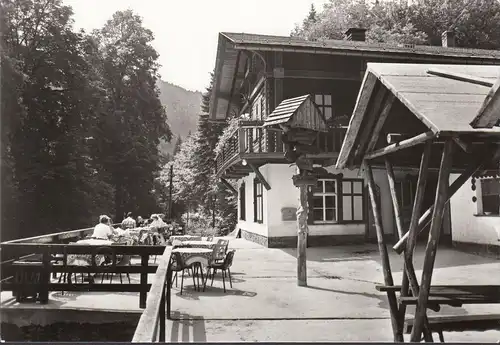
[(257, 146)]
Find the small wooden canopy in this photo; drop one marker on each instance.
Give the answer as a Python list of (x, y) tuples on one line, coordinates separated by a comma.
[(421, 102), (298, 112)]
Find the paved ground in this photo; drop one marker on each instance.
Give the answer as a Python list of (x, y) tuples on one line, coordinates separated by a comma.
[(265, 303)]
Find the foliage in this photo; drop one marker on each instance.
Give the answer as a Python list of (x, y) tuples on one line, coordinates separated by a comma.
[(475, 22), (81, 118), (195, 184)]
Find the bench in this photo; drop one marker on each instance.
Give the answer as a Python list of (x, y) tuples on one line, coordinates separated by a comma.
[(458, 323), (452, 295)]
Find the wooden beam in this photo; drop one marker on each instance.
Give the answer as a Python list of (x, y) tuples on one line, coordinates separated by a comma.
[(380, 122), (399, 227), (360, 108), (324, 75), (466, 147), (259, 176), (371, 119), (434, 234), (416, 140), (228, 186), (409, 270), (455, 186), (460, 76), (489, 113), (384, 255), (393, 138), (231, 93)]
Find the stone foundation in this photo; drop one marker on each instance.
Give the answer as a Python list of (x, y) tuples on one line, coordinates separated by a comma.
[(312, 241)]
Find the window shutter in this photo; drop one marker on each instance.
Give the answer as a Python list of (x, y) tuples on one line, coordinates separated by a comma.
[(310, 213)]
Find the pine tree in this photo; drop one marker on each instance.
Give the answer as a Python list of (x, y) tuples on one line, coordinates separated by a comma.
[(178, 144)]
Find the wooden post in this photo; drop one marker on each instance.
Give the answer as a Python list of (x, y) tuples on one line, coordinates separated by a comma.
[(170, 192), (384, 255), (434, 234), (169, 287), (302, 181), (144, 280), (302, 237), (162, 313), (409, 276)]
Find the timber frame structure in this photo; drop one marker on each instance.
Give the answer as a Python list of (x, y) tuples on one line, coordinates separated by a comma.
[(422, 116)]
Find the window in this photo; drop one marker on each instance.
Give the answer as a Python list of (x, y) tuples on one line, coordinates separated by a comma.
[(405, 190), (258, 201), (324, 102), (335, 200), (242, 202), (352, 200), (324, 201), (488, 198)]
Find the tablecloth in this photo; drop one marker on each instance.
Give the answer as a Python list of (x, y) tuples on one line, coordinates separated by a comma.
[(199, 244), (192, 255)]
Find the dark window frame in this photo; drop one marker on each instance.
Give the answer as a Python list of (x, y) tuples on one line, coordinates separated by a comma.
[(339, 192), (352, 194), (258, 201), (491, 197), (323, 106), (242, 201)]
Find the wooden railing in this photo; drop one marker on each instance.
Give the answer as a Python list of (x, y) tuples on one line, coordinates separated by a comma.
[(260, 140), (38, 249), (152, 324), (58, 237)]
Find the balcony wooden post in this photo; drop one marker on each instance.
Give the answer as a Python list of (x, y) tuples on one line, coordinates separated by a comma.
[(241, 139)]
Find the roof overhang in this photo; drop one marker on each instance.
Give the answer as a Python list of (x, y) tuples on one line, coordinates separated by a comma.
[(445, 105)]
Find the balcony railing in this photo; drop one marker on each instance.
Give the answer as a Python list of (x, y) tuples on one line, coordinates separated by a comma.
[(259, 142)]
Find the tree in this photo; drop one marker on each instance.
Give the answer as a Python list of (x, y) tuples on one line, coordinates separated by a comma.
[(49, 77), (475, 22), (133, 121), (178, 144)]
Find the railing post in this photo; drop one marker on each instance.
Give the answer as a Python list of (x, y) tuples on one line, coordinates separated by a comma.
[(144, 280), (162, 313), (45, 279), (169, 289), (241, 139)]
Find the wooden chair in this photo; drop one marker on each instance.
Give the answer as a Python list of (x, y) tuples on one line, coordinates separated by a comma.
[(224, 266)]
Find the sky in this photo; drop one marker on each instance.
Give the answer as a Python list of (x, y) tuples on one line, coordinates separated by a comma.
[(186, 31)]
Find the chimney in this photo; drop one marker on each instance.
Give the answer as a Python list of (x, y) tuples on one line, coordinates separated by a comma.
[(448, 39), (355, 34)]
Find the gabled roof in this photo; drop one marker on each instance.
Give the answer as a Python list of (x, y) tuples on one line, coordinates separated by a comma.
[(299, 112), (230, 44), (285, 41), (446, 105)]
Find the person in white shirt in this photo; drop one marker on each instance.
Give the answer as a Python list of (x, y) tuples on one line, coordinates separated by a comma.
[(129, 222), (103, 230)]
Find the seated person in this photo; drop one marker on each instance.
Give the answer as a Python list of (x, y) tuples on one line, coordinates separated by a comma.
[(157, 222), (103, 230), (140, 221), (129, 222)]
